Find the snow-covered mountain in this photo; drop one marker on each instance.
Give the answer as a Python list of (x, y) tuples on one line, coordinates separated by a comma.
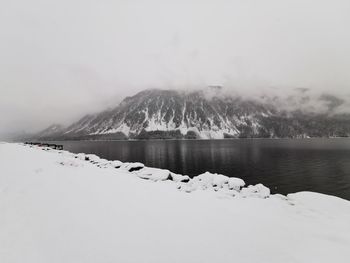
[(209, 115), (53, 130)]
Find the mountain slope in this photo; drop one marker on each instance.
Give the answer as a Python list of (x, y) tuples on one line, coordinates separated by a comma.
[(175, 114)]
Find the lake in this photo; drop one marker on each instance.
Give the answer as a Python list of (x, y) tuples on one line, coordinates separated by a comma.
[(283, 165)]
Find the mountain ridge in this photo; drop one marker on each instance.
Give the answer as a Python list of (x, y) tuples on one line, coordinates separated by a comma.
[(165, 114)]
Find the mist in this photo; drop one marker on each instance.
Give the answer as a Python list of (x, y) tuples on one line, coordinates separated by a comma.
[(63, 59)]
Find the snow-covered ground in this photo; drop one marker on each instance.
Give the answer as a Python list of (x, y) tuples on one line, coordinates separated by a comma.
[(57, 206)]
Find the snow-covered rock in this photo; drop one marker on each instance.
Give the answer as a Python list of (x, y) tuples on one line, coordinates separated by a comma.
[(130, 167), (156, 174), (153, 174), (116, 164), (214, 182), (179, 178), (258, 190)]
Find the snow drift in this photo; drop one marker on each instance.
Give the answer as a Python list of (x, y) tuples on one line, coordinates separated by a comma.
[(57, 206)]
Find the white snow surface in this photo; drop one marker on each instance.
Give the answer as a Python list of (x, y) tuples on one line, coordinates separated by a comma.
[(57, 206)]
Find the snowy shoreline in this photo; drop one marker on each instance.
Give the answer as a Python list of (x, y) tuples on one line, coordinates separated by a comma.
[(58, 206), (199, 139), (230, 186)]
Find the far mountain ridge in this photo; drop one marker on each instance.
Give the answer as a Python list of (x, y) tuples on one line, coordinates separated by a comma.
[(165, 114)]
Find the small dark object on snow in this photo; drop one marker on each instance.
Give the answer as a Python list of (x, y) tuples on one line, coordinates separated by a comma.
[(132, 169), (50, 145), (185, 180)]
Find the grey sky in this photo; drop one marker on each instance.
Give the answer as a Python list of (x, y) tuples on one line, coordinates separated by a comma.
[(60, 59)]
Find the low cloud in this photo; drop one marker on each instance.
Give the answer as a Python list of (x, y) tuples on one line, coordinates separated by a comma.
[(62, 59)]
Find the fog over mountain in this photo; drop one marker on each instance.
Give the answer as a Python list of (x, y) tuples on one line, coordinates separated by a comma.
[(63, 59), (209, 113)]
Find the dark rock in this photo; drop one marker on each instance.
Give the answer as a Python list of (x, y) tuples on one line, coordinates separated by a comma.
[(132, 169)]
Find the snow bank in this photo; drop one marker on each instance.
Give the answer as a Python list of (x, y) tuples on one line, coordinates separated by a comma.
[(57, 206), (207, 181)]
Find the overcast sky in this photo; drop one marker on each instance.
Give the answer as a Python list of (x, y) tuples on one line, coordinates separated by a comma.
[(60, 59)]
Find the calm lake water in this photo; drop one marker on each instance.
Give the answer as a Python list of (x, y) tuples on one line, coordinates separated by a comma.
[(284, 165)]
